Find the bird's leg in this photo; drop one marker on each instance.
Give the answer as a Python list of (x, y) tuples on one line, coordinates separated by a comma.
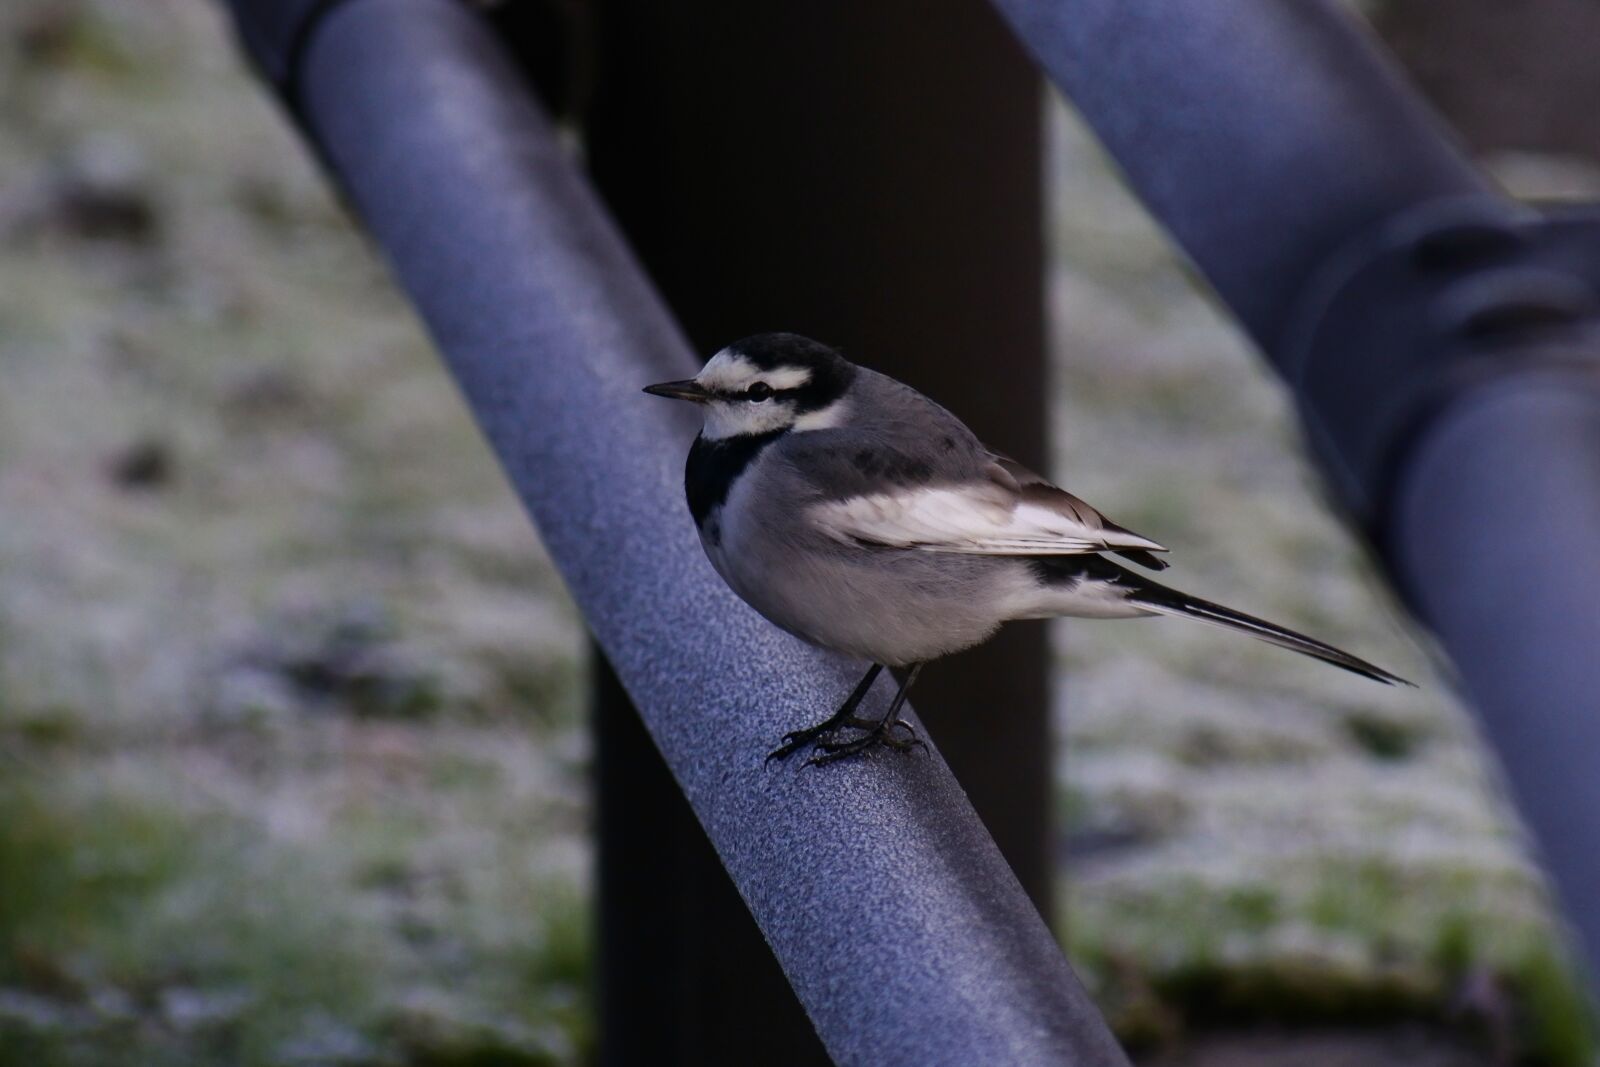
[(845, 716), (878, 733)]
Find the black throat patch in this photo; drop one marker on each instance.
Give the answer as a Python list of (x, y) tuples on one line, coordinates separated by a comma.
[(713, 465)]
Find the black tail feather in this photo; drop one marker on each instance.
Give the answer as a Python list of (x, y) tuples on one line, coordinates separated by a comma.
[(1157, 598), (1171, 602)]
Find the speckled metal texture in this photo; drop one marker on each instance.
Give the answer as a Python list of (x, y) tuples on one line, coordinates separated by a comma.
[(904, 934)]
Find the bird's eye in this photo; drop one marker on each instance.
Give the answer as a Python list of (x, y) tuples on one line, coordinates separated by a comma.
[(758, 392)]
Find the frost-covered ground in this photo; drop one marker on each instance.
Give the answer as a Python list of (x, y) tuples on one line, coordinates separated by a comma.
[(1251, 835), (291, 762), (291, 768)]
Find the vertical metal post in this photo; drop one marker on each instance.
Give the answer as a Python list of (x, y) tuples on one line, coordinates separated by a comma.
[(869, 174)]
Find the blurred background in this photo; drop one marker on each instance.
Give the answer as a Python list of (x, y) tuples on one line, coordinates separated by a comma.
[(293, 765)]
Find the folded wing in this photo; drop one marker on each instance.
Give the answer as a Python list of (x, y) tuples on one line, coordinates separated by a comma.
[(1010, 512)]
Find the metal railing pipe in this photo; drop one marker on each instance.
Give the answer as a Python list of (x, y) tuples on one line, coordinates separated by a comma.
[(1440, 340), (905, 936), (1520, 460), (1262, 134)]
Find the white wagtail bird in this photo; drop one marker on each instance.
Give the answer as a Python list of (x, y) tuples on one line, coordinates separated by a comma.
[(859, 515)]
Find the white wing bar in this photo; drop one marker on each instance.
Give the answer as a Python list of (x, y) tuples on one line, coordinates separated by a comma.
[(974, 519)]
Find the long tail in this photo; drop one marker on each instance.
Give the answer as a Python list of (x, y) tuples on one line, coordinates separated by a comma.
[(1162, 600)]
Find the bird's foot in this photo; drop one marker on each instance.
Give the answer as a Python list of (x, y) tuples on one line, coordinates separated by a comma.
[(877, 734), (874, 731), (795, 740)]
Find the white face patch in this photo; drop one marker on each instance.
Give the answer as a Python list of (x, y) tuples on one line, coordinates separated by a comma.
[(824, 418), (741, 418), (729, 372)]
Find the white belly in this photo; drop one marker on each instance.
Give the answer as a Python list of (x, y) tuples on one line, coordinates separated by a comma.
[(889, 606)]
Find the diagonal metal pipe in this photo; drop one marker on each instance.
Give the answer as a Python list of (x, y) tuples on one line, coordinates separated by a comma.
[(899, 926), (1440, 341), (1263, 134)]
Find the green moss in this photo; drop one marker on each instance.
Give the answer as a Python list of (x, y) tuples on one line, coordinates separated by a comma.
[(1381, 737), (547, 691), (1455, 950), (1292, 992), (564, 968), (1253, 908), (72, 869), (71, 37), (1382, 943), (1353, 896), (566, 950), (1556, 1011), (208, 940), (48, 726)]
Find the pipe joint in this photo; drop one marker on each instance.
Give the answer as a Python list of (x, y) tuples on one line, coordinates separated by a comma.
[(1423, 309)]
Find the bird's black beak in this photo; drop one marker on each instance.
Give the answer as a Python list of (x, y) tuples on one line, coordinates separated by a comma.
[(688, 389)]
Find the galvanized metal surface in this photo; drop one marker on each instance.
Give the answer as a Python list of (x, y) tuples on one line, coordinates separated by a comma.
[(902, 931), (1441, 342), (1263, 134)]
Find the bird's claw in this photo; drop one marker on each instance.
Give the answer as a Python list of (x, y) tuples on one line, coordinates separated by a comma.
[(795, 740), (903, 744), (878, 733), (874, 732)]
